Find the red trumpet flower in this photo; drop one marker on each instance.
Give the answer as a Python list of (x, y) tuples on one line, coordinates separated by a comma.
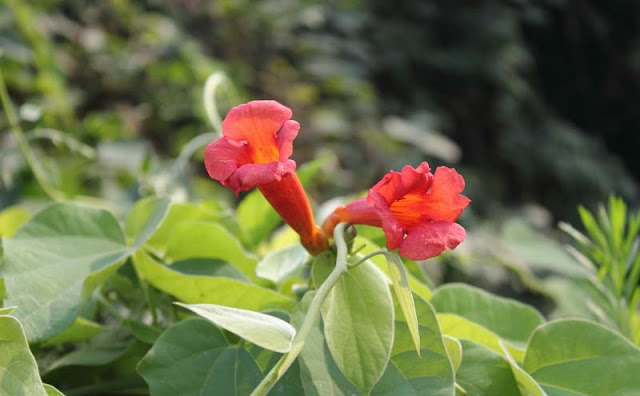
[(254, 152), (416, 209)]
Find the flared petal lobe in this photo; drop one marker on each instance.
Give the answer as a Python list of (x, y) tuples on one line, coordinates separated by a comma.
[(254, 151), (415, 208)]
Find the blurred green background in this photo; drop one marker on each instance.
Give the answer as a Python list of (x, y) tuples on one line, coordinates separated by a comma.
[(532, 101)]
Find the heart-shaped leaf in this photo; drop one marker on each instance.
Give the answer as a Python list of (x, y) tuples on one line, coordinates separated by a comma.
[(193, 358), (358, 325), (509, 319), (583, 358)]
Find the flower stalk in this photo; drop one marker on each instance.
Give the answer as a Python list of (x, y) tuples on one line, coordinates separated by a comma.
[(311, 317)]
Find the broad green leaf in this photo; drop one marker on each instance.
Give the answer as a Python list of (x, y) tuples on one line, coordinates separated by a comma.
[(454, 350), (18, 370), (145, 218), (417, 287), (412, 375), (91, 356), (484, 372), (80, 329), (55, 261), (209, 240), (464, 329), (178, 213), (576, 357), (527, 385), (359, 325), (192, 358), (511, 320), (11, 219), (279, 264), (583, 298), (318, 371), (143, 332), (194, 289), (7, 310), (256, 218), (263, 330), (321, 267), (52, 391), (398, 275)]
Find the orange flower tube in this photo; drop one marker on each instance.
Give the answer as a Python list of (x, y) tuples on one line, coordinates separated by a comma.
[(416, 209), (253, 152)]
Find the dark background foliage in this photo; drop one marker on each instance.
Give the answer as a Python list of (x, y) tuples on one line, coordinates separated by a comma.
[(541, 98)]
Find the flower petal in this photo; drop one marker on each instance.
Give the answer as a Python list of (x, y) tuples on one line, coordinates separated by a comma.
[(429, 240), (257, 122), (223, 156), (445, 203), (286, 137), (390, 225), (248, 176)]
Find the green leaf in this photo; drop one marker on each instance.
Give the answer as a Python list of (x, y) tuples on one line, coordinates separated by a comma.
[(538, 251), (464, 329), (145, 218), (583, 358), (256, 217), (193, 358), (527, 385), (509, 319), (279, 264), (7, 310), (484, 372), (178, 213), (454, 351), (263, 330), (585, 299), (318, 371), (52, 391), (55, 261), (417, 287), (91, 355), (210, 240), (409, 374), (398, 275), (80, 329), (358, 325), (321, 267), (18, 370), (11, 219), (194, 289)]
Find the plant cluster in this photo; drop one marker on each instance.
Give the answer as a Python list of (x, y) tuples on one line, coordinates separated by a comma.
[(185, 298)]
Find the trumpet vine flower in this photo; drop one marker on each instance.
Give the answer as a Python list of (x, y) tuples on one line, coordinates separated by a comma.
[(253, 152), (416, 209)]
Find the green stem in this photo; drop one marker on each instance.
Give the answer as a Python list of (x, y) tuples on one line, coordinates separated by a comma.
[(367, 257), (16, 130), (311, 318)]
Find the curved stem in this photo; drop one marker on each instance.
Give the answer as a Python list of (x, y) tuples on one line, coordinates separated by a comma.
[(367, 257), (311, 318)]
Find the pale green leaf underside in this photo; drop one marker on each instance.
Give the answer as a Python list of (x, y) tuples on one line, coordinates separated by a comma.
[(263, 330), (359, 325)]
